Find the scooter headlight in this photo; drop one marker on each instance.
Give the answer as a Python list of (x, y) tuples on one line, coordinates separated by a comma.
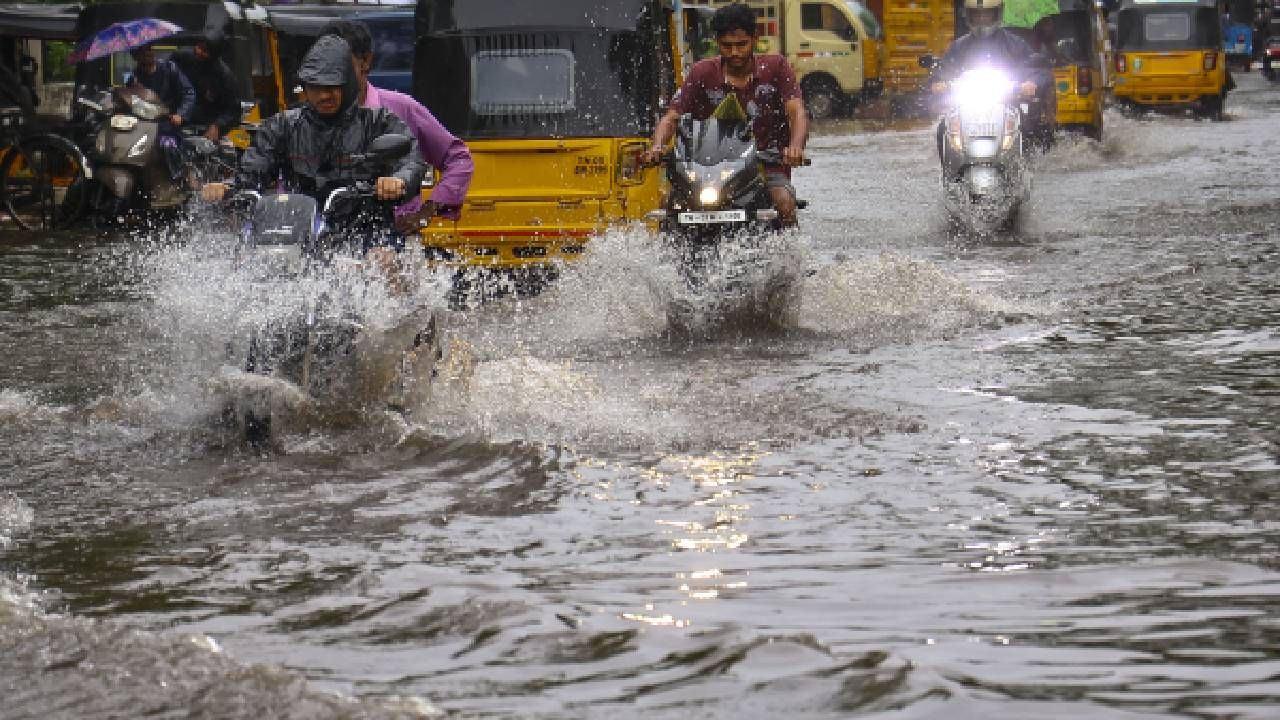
[(981, 87), (709, 196)]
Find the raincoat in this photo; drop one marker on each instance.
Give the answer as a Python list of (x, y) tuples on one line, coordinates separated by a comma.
[(309, 152), (217, 97)]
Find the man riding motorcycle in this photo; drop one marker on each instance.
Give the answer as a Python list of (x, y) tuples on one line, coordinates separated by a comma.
[(166, 80), (989, 43), (306, 147), (765, 85)]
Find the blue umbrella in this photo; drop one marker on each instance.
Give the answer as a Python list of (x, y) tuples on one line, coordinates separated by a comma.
[(122, 37)]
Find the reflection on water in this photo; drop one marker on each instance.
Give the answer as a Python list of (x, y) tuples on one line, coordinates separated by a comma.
[(1029, 479)]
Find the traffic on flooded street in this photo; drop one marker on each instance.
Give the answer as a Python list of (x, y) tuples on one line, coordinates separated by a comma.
[(710, 464)]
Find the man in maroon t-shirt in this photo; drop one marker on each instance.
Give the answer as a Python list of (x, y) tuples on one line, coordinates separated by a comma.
[(765, 85)]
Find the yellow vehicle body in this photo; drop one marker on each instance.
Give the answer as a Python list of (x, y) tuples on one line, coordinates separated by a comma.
[(1170, 54), (539, 200), (914, 28), (557, 164), (1082, 65), (1171, 78)]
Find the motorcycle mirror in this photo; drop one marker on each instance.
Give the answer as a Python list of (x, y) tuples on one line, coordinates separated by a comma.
[(928, 62), (389, 147)]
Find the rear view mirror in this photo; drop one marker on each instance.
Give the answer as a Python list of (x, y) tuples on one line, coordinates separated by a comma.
[(389, 147)]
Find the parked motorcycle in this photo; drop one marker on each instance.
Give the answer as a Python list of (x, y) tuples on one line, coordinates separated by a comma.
[(131, 175), (985, 176), (308, 258)]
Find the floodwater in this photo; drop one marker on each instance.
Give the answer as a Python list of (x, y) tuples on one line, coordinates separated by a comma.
[(1028, 477)]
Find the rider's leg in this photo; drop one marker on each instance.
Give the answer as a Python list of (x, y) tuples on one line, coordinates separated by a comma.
[(784, 197)]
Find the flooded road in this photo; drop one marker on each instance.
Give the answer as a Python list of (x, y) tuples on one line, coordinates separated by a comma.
[(1027, 478)]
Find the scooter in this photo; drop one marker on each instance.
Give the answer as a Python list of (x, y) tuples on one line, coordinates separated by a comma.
[(131, 175), (319, 346), (985, 175)]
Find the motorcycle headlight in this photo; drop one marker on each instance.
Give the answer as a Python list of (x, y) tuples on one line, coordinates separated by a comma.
[(709, 196)]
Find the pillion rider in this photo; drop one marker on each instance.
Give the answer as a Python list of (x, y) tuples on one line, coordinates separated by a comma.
[(765, 86)]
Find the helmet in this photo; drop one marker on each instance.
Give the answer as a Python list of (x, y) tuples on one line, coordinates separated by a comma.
[(983, 16)]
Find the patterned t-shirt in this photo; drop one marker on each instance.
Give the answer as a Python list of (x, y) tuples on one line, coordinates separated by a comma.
[(765, 97)]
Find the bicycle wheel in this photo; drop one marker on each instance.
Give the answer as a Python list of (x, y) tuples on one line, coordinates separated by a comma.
[(43, 183)]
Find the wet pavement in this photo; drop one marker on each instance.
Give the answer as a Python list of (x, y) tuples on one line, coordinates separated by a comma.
[(1028, 476)]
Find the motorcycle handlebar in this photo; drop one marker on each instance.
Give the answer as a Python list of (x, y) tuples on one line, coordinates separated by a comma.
[(772, 157)]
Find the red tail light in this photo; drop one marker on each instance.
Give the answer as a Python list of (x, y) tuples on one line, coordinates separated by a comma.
[(1210, 60), (1084, 81), (1121, 65)]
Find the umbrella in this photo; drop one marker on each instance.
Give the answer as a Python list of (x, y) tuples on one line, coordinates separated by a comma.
[(123, 36), (1026, 13)]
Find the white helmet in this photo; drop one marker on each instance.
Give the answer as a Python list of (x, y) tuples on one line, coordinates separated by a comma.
[(983, 16)]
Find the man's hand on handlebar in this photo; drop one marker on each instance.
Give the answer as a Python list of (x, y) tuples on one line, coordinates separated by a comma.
[(213, 192), (793, 155), (389, 188)]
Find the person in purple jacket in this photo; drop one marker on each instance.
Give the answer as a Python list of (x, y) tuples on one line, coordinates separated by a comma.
[(439, 147)]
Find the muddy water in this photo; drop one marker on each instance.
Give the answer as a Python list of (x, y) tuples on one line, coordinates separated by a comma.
[(1027, 477)]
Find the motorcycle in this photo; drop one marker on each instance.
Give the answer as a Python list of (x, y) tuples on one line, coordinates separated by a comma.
[(131, 173), (306, 260), (985, 175), (719, 223)]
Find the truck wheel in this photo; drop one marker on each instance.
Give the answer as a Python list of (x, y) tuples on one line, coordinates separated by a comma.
[(823, 98)]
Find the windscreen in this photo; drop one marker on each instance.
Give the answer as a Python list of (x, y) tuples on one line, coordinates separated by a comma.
[(1168, 28), (711, 142)]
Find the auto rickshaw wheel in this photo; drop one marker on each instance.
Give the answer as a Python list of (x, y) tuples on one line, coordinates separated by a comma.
[(1211, 107)]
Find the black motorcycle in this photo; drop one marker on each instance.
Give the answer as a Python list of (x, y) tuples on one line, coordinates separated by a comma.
[(719, 223), (310, 257)]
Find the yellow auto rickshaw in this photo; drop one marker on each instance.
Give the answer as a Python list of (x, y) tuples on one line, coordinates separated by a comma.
[(555, 119), (1081, 51), (1169, 54)]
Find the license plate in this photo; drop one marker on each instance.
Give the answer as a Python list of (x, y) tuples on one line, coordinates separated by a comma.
[(717, 216)]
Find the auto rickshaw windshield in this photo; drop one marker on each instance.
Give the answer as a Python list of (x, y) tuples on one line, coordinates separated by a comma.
[(1168, 27), (583, 69)]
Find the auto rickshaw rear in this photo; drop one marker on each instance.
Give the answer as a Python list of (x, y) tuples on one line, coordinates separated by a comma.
[(556, 99), (1169, 54)]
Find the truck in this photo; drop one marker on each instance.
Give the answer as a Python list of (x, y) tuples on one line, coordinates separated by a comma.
[(835, 47), (913, 28)]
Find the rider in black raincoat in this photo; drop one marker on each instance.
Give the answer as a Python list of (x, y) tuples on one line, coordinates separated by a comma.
[(307, 147)]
